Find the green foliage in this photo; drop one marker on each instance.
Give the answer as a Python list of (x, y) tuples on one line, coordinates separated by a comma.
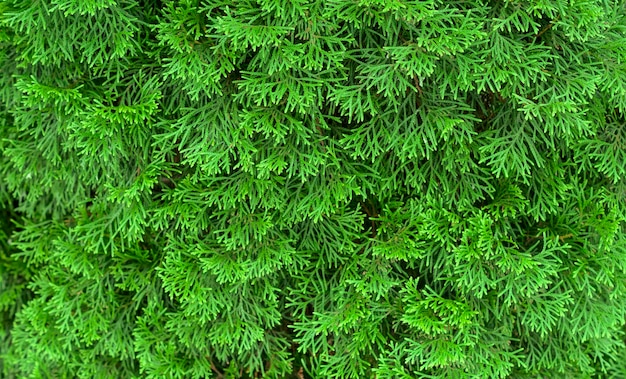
[(312, 189)]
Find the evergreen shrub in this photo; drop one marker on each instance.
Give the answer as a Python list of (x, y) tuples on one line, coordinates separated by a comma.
[(312, 189)]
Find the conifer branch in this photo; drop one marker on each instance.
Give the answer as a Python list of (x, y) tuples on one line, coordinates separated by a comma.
[(204, 179)]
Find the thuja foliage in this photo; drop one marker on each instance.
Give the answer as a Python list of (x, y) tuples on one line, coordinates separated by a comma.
[(312, 188)]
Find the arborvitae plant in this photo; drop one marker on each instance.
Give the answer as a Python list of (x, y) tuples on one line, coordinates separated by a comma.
[(312, 188)]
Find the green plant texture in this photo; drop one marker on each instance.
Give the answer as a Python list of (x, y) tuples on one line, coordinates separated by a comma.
[(303, 189)]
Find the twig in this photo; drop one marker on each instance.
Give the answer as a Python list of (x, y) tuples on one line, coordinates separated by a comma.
[(417, 85), (547, 27), (215, 370)]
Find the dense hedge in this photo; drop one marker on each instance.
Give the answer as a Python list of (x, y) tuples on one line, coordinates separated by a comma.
[(312, 188)]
